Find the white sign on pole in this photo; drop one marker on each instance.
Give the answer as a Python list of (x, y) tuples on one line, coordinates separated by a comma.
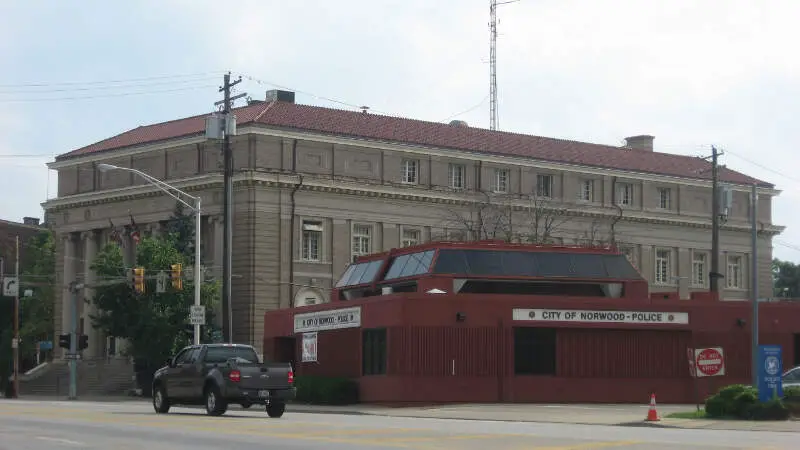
[(161, 282), (10, 286), (334, 319), (585, 316), (310, 347), (197, 315)]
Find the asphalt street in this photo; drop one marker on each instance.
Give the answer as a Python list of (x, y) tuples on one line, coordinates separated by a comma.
[(26, 425)]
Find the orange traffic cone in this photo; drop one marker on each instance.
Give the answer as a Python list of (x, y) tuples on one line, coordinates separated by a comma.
[(652, 414)]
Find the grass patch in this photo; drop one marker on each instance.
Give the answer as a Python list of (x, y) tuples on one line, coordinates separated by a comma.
[(688, 415)]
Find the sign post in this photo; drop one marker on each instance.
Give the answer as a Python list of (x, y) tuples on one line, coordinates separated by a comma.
[(770, 369)]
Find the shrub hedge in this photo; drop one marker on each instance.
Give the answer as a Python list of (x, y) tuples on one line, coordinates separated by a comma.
[(326, 390), (740, 401)]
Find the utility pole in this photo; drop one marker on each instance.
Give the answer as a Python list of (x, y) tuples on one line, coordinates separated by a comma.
[(74, 288), (227, 248), (754, 282), (16, 325), (714, 275)]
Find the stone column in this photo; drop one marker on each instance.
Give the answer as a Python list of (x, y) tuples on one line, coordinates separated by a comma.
[(154, 229), (96, 341), (68, 277)]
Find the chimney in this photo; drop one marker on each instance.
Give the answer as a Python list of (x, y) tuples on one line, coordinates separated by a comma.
[(642, 143), (277, 95), (30, 221)]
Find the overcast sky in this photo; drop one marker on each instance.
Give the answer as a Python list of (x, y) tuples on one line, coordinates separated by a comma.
[(692, 73)]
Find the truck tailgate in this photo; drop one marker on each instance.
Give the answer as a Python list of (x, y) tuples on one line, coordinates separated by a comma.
[(270, 376)]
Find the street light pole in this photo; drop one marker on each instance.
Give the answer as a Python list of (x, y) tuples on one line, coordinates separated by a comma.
[(168, 189)]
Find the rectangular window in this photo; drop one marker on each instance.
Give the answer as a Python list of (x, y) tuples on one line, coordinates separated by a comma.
[(410, 237), (373, 351), (734, 272), (410, 171), (586, 191), (663, 266), (312, 241), (664, 198), (455, 173), (698, 269), (362, 240), (544, 186), (534, 351), (625, 194), (501, 180)]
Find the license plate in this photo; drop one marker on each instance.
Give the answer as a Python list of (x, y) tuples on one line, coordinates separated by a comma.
[(263, 393)]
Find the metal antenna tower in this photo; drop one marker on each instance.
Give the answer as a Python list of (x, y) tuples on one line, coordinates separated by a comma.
[(493, 121)]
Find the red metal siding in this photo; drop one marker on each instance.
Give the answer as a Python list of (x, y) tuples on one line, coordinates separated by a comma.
[(338, 354), (622, 353), (440, 351)]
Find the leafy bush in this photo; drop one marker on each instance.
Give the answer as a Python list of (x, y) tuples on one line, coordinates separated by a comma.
[(741, 401), (792, 393), (326, 390)]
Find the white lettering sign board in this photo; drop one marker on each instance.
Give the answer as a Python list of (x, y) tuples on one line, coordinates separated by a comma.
[(197, 315), (310, 347), (334, 319), (600, 316)]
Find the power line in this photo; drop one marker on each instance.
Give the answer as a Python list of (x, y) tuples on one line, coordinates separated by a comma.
[(128, 80), (90, 97), (6, 91)]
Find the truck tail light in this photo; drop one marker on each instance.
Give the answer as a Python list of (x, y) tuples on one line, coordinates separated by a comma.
[(291, 376), (235, 376)]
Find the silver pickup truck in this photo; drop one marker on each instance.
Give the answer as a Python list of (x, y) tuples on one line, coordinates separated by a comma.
[(216, 375)]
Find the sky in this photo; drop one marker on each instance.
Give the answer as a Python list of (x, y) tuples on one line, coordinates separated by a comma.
[(693, 74)]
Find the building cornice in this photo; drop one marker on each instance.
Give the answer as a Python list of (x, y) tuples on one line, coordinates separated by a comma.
[(438, 152), (360, 188)]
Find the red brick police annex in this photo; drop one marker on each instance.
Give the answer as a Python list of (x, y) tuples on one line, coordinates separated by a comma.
[(488, 322)]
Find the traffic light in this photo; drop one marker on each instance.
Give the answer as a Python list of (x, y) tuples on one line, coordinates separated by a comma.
[(64, 340), (138, 280), (83, 342), (175, 274)]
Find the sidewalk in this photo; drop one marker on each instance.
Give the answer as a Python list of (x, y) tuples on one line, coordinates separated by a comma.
[(594, 414)]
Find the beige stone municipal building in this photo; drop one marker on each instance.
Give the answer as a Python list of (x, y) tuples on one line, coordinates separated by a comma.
[(315, 187)]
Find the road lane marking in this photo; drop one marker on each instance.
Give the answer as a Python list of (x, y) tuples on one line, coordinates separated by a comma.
[(60, 441), (591, 445)]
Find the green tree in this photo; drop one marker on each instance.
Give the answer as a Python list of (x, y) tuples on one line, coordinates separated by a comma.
[(155, 325), (785, 279), (181, 229)]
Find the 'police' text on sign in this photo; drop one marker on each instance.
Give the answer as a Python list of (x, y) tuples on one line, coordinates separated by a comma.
[(624, 317), (334, 319)]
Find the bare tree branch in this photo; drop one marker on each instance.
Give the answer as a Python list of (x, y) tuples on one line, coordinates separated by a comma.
[(486, 217), (544, 218)]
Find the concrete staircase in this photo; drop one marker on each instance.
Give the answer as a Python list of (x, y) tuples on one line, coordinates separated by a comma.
[(98, 378)]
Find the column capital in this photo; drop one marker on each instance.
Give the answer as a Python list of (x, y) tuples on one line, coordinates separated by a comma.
[(88, 235), (215, 219), (67, 237)]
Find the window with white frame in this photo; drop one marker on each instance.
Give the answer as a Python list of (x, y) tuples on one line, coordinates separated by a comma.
[(663, 266), (664, 198), (586, 191), (411, 236), (362, 240), (312, 241), (410, 171), (456, 173), (734, 272), (625, 194), (699, 274), (544, 186), (501, 180)]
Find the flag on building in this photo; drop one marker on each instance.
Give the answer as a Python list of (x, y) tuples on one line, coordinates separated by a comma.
[(115, 236)]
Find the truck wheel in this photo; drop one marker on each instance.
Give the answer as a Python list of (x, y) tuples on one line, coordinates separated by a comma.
[(215, 404), (160, 400), (276, 409)]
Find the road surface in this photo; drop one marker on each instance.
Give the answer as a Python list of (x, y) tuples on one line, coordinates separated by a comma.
[(26, 425)]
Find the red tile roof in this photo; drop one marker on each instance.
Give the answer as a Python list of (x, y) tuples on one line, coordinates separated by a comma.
[(394, 129)]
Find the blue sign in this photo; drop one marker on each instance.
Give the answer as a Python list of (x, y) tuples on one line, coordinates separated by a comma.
[(45, 345), (770, 380)]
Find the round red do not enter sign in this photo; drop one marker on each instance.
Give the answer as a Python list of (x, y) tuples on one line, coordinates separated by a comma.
[(709, 362)]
